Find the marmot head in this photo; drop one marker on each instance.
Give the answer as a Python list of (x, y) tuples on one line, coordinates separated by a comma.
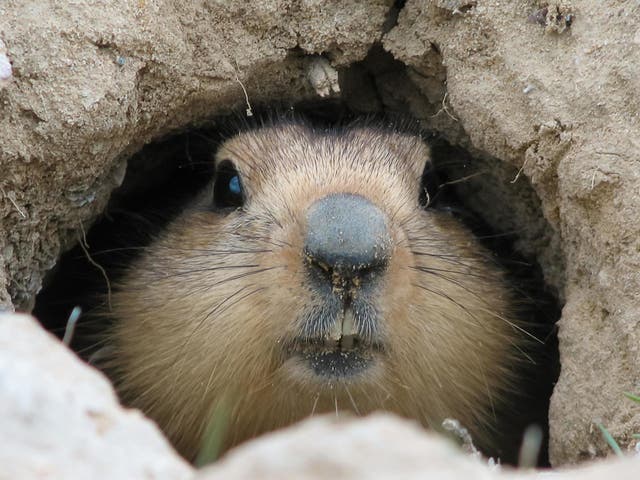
[(310, 279)]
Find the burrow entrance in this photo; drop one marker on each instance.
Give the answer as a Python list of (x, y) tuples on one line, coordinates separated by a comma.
[(485, 193)]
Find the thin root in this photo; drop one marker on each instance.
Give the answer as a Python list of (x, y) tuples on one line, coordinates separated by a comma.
[(85, 248), (248, 111), (445, 109)]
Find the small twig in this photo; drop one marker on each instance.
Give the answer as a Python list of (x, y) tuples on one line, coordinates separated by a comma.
[(515, 179), (85, 246), (613, 154), (13, 202)]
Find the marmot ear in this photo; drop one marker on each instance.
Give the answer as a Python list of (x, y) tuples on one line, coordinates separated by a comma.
[(420, 158), (423, 171)]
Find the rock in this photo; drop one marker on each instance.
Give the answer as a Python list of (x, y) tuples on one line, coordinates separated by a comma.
[(61, 418), (379, 447)]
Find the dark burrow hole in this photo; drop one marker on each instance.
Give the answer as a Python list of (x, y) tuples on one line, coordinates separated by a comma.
[(167, 174)]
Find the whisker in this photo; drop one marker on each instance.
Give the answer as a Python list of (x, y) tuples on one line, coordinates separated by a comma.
[(165, 275), (219, 308), (277, 243), (464, 179), (315, 404), (458, 272), (491, 312), (353, 403), (176, 249), (246, 274), (453, 259), (207, 269), (477, 320)]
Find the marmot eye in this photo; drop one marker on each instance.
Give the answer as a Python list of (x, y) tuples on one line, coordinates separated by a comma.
[(227, 190)]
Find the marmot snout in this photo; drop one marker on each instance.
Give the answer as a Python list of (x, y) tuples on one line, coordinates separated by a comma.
[(309, 279)]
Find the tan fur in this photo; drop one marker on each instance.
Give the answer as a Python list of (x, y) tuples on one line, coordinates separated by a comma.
[(202, 316)]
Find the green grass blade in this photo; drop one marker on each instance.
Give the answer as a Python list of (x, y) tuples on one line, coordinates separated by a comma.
[(610, 440), (633, 397), (215, 434), (636, 436)]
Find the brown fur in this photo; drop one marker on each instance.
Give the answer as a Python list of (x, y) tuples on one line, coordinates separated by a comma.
[(201, 317)]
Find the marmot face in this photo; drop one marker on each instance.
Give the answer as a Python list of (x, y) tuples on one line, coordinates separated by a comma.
[(310, 280)]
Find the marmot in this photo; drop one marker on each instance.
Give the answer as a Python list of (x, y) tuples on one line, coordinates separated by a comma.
[(310, 279)]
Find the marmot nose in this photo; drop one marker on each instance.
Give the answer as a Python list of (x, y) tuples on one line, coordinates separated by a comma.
[(346, 235)]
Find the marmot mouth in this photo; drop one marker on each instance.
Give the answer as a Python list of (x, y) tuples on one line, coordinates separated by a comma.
[(339, 350), (338, 364), (328, 358)]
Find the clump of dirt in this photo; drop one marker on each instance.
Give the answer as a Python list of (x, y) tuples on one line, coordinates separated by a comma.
[(543, 95)]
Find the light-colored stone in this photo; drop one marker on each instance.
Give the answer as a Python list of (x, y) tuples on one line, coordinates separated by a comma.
[(323, 77), (378, 447), (61, 418)]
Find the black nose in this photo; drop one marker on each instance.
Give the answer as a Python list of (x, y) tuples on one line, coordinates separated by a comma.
[(346, 234)]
